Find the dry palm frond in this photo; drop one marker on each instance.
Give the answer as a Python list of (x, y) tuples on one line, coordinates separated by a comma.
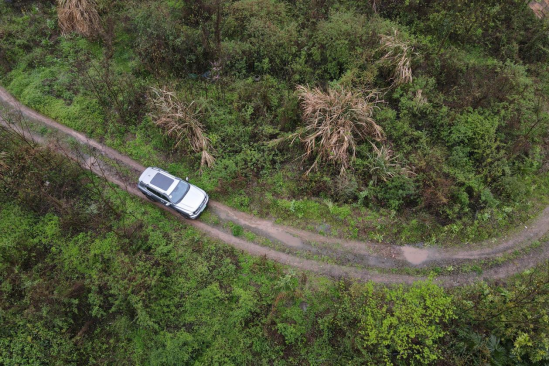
[(78, 16), (335, 121), (385, 165), (181, 122), (398, 55)]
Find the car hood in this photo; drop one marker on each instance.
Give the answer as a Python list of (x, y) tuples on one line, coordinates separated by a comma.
[(192, 200)]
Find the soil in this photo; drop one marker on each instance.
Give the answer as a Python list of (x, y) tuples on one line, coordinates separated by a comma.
[(368, 255)]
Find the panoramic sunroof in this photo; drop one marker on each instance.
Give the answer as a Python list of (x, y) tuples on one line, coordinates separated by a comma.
[(161, 181)]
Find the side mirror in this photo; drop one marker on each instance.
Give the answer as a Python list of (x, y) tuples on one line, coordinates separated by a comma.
[(187, 179)]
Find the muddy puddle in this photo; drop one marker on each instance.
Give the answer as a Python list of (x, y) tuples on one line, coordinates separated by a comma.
[(415, 256)]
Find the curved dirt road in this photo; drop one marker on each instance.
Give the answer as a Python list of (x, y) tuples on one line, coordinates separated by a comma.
[(368, 254)]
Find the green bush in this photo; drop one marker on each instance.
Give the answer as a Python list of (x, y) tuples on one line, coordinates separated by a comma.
[(336, 43), (266, 26), (397, 192), (165, 45), (505, 325), (398, 325)]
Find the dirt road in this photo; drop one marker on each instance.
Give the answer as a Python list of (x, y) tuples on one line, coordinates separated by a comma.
[(370, 256)]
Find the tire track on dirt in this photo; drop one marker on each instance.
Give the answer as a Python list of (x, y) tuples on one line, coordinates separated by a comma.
[(375, 253)]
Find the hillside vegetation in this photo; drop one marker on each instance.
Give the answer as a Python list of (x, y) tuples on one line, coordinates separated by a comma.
[(92, 275), (402, 121), (416, 120)]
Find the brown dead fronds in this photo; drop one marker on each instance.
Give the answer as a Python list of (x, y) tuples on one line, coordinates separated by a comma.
[(335, 122), (78, 16), (384, 165), (180, 121), (398, 55)]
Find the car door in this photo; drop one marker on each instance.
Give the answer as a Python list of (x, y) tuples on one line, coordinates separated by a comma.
[(157, 196), (146, 191), (164, 199)]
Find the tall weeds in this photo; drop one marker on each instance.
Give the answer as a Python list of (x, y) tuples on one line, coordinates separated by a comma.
[(335, 122), (78, 16), (181, 122), (398, 55)]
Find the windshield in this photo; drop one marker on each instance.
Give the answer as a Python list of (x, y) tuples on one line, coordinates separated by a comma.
[(179, 192)]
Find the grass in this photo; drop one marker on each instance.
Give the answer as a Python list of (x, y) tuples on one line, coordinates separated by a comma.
[(79, 16), (474, 266), (353, 221), (192, 300), (398, 54), (319, 251)]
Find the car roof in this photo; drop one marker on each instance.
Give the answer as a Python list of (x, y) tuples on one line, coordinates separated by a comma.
[(162, 181), (158, 178)]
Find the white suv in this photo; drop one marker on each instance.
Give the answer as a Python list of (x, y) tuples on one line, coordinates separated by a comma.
[(159, 185)]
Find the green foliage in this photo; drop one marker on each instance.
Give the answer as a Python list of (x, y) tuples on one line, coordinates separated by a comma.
[(336, 42), (81, 283), (141, 288), (236, 229), (396, 192), (164, 44), (263, 37), (467, 137), (464, 135), (508, 30), (397, 325), (505, 324)]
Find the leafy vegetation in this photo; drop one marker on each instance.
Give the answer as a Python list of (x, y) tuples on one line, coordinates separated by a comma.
[(181, 122), (92, 275), (464, 113)]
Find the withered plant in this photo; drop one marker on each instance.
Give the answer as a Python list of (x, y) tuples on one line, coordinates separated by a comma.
[(78, 16), (385, 165), (398, 55), (180, 121), (335, 122)]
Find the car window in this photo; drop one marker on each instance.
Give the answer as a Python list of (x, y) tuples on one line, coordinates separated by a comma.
[(161, 181), (179, 192), (154, 192)]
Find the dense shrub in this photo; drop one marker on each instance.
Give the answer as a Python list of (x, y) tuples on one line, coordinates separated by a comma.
[(505, 324), (397, 326), (336, 42), (24, 38), (465, 90), (141, 288), (267, 37), (508, 29), (166, 46)]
